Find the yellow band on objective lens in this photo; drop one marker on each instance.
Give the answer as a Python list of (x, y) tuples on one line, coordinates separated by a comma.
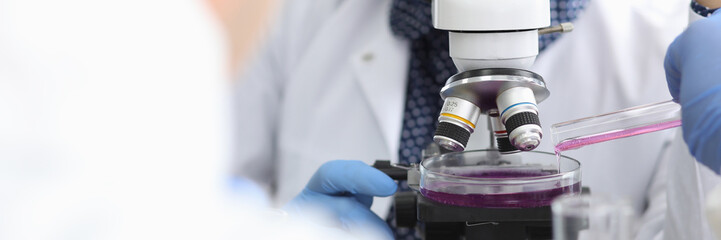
[(459, 118)]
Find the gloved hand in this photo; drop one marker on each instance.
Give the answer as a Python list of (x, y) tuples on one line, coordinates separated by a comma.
[(693, 73), (345, 189)]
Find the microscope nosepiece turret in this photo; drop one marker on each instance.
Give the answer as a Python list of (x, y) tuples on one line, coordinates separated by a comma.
[(512, 94), (493, 49)]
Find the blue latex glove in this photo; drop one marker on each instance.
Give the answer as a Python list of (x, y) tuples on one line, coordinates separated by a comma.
[(693, 72), (346, 190)]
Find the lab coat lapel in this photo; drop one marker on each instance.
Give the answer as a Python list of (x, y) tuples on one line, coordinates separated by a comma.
[(380, 68)]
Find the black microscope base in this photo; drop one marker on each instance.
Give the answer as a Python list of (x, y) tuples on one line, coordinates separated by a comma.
[(440, 221)]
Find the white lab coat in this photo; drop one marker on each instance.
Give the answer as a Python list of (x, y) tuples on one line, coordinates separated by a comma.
[(330, 84), (122, 132), (689, 184), (113, 121)]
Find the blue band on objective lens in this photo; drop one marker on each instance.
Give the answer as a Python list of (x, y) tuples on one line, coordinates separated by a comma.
[(520, 103)]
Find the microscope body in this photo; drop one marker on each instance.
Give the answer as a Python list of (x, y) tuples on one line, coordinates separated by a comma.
[(493, 43), (492, 33)]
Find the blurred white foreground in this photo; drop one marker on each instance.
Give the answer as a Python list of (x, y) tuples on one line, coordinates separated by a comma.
[(114, 124)]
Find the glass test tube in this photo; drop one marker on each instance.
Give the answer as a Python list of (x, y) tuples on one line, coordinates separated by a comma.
[(620, 124)]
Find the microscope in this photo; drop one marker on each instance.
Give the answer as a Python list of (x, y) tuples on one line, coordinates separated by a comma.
[(493, 43)]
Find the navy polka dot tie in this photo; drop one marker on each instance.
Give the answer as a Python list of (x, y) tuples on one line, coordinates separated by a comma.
[(430, 66)]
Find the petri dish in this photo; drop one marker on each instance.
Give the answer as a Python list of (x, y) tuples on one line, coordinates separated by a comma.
[(488, 179)]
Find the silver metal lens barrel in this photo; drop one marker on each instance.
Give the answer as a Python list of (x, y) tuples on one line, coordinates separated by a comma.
[(519, 114), (456, 122), (526, 137)]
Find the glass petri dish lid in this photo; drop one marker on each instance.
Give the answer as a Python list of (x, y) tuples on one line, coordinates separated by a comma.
[(488, 179)]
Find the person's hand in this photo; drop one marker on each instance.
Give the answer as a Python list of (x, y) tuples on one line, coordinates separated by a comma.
[(345, 189), (693, 73)]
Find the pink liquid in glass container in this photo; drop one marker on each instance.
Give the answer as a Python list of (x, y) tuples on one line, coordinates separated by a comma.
[(483, 180), (522, 199), (575, 143)]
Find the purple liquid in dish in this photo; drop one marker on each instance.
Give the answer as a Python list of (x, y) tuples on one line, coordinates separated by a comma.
[(503, 200), (505, 173)]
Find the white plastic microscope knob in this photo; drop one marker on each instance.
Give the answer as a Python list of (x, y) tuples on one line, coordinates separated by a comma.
[(515, 49)]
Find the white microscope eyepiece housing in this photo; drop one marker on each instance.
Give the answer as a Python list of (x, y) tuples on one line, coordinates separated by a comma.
[(493, 43)]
